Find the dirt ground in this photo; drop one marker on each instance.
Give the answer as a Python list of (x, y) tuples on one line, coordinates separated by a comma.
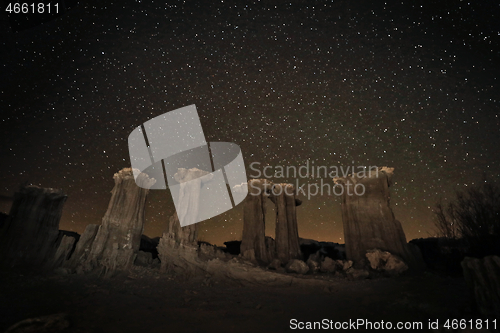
[(145, 301)]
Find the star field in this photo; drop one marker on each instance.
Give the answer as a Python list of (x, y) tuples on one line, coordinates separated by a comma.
[(411, 85)]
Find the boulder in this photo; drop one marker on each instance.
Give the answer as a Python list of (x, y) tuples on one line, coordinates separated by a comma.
[(316, 257), (313, 265), (297, 266), (275, 264), (339, 264), (377, 258), (357, 274), (386, 262), (328, 265), (395, 265), (346, 264)]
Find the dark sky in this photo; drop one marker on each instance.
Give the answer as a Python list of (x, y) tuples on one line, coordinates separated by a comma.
[(408, 84)]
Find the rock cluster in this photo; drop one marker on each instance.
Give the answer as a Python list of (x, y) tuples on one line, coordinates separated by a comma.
[(379, 261), (310, 247), (342, 268), (255, 246), (373, 237)]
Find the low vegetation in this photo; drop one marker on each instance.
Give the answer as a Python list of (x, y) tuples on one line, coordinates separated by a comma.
[(474, 217)]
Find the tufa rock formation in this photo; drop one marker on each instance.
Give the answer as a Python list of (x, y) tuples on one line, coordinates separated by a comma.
[(82, 249), (64, 250), (287, 234), (368, 219), (253, 244), (178, 248), (190, 181), (483, 278), (270, 248), (114, 244), (30, 235)]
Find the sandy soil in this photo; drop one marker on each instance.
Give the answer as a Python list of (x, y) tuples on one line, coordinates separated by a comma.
[(143, 300)]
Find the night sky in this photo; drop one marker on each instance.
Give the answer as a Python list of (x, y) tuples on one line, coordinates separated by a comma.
[(407, 84)]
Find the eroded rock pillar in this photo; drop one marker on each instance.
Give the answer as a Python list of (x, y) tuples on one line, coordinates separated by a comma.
[(253, 243), (118, 238), (191, 181), (483, 279), (178, 247), (368, 219), (82, 250), (287, 234), (31, 231)]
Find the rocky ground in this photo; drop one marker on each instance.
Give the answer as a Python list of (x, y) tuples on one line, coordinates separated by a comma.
[(143, 300)]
